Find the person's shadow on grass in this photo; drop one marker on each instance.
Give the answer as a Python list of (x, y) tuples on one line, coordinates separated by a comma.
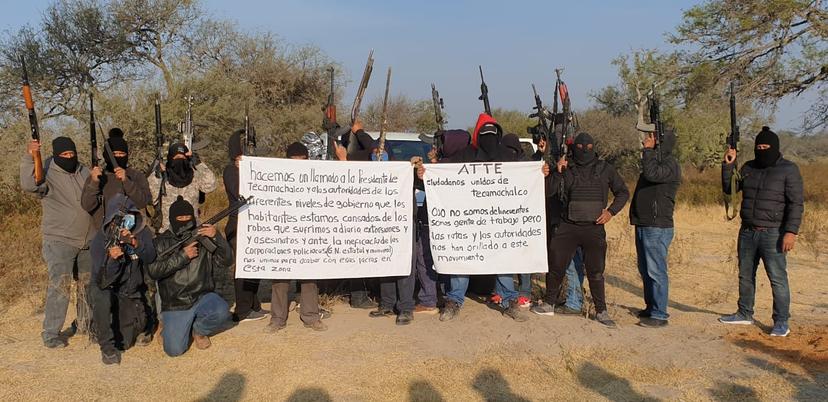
[(229, 388), (491, 385)]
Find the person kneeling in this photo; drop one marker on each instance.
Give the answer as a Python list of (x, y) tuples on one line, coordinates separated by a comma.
[(185, 281)]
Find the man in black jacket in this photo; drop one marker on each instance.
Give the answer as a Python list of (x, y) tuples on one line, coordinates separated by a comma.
[(185, 282), (585, 186), (651, 212), (772, 206), (120, 255)]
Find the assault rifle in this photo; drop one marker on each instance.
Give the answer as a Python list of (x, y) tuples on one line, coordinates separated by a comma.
[(192, 236), (363, 84), (249, 147), (187, 130), (381, 154), (438, 104), (541, 130), (93, 138), (155, 169), (484, 93), (567, 116), (733, 143), (329, 124), (39, 174)]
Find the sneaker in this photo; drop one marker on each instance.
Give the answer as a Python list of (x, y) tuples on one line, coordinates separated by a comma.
[(273, 328), (381, 312), (324, 313), (648, 322), (55, 343), (737, 319), (604, 318), (524, 302), (365, 304), (566, 310), (111, 356), (514, 312), (254, 316), (450, 311), (425, 309), (405, 318), (780, 328), (643, 313), (144, 339), (201, 342), (543, 308), (317, 325)]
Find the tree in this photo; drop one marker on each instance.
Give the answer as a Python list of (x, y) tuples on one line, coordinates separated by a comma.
[(774, 47), (403, 115), (513, 121)]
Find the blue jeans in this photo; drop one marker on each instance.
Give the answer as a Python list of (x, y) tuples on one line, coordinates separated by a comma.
[(652, 246), (209, 315), (765, 245), (458, 285), (525, 288), (505, 287), (575, 281)]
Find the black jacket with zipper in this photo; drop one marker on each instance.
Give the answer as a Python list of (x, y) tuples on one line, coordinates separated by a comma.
[(182, 281), (654, 199)]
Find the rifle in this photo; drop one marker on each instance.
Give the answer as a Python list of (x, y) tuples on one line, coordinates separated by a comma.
[(193, 236), (563, 92), (655, 126), (541, 130), (732, 142), (249, 147), (93, 138), (187, 127), (39, 174), (484, 93), (329, 124), (381, 154), (156, 168), (363, 84), (438, 104)]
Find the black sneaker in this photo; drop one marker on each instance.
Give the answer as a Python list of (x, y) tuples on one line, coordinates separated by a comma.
[(604, 318), (55, 343), (144, 339), (648, 322), (514, 312), (254, 316), (381, 312), (566, 310), (111, 356), (405, 318), (450, 311), (643, 314), (365, 304)]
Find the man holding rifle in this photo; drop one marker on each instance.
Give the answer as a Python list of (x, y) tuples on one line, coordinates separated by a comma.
[(186, 176)]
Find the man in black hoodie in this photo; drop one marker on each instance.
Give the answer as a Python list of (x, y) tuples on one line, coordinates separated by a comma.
[(651, 212), (772, 206), (120, 255), (189, 304), (585, 187), (248, 306)]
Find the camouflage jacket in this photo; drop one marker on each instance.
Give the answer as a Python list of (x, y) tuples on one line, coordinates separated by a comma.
[(203, 181)]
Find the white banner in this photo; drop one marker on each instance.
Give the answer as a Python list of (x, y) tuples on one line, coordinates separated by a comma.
[(324, 220), (487, 218)]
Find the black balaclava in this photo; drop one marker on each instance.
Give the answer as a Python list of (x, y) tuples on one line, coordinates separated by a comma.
[(179, 171), (583, 156), (488, 141), (511, 142), (234, 145), (117, 144), (766, 157), (181, 208), (60, 145), (297, 149)]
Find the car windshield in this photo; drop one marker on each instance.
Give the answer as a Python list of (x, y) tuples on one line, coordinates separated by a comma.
[(404, 150)]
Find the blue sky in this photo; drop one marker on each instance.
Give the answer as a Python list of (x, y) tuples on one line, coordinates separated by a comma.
[(517, 42)]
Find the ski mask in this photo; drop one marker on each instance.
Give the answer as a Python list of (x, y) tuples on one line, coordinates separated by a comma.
[(60, 145), (117, 144), (181, 208), (234, 145), (583, 155), (766, 157), (511, 142), (179, 171), (455, 141), (488, 140)]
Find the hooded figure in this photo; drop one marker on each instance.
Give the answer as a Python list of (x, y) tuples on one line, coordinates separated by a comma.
[(363, 147), (181, 208), (582, 153), (766, 157), (456, 147), (486, 139), (514, 150), (61, 145), (179, 171), (117, 144)]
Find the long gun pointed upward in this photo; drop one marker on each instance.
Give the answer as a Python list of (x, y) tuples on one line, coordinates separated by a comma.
[(93, 138), (484, 93), (39, 173), (381, 154), (363, 85)]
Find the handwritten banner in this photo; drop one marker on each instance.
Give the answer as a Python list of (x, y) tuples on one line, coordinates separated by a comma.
[(487, 218), (323, 220)]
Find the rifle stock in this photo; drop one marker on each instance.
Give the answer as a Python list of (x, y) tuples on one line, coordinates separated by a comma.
[(30, 108)]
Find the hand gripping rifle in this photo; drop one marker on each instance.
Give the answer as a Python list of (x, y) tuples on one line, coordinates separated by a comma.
[(381, 154), (732, 142), (363, 84), (541, 130), (39, 174), (484, 93), (192, 236)]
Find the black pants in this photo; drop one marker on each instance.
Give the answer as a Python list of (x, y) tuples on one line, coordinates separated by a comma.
[(398, 291), (568, 237), (117, 320), (247, 298)]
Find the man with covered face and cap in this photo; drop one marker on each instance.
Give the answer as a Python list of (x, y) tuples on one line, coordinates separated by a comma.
[(117, 178), (771, 212), (248, 307), (66, 232), (651, 212), (189, 304), (186, 177), (121, 252), (585, 185)]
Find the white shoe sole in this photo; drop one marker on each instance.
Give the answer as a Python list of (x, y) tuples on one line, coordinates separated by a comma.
[(737, 322), (782, 335), (549, 314)]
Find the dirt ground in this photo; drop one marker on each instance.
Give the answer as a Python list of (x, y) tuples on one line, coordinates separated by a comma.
[(480, 355)]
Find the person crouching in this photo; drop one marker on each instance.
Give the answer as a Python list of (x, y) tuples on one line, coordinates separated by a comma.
[(189, 304)]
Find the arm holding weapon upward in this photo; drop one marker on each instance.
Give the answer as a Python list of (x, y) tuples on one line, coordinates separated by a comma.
[(730, 184), (39, 174)]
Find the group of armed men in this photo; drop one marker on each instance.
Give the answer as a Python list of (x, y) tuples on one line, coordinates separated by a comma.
[(134, 288)]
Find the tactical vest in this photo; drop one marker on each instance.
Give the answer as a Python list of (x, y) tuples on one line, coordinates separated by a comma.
[(586, 197)]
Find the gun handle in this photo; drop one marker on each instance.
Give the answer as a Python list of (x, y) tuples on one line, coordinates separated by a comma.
[(38, 168), (208, 244)]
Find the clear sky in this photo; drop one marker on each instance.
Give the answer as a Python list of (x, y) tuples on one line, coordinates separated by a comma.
[(517, 42)]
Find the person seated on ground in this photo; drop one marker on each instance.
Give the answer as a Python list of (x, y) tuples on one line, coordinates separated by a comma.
[(185, 281), (120, 253), (309, 294)]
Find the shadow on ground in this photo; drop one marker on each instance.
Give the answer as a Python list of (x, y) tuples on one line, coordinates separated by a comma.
[(229, 388)]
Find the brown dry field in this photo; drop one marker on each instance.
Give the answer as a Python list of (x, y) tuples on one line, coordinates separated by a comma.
[(480, 355)]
